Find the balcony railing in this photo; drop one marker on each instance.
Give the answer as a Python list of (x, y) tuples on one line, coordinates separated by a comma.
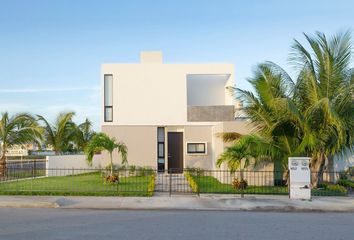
[(210, 113)]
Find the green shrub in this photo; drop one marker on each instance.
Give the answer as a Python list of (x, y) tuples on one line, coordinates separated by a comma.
[(336, 188), (323, 185), (191, 182), (151, 186), (346, 183)]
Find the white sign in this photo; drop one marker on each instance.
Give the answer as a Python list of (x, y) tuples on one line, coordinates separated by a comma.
[(300, 177), (17, 152)]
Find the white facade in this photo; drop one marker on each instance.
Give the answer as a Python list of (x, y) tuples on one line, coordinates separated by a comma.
[(189, 103), (155, 93)]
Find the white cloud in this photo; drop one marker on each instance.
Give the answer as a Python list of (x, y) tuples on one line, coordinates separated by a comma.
[(51, 89)]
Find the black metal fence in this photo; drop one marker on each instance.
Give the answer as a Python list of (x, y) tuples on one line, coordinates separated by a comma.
[(24, 169), (33, 178)]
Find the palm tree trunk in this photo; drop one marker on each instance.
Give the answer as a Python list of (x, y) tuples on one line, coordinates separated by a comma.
[(110, 155), (317, 168), (3, 162)]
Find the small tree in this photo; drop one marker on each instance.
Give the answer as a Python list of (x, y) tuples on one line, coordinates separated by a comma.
[(101, 142)]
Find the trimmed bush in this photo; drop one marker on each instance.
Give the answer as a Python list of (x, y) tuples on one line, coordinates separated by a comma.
[(191, 182), (151, 186)]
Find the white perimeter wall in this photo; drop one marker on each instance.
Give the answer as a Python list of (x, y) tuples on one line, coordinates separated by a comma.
[(63, 165)]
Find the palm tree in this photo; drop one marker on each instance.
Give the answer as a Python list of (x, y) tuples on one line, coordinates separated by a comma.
[(248, 149), (313, 117), (18, 129), (61, 133), (84, 134), (101, 142), (325, 96)]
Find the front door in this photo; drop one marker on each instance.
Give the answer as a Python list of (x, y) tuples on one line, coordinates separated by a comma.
[(175, 152)]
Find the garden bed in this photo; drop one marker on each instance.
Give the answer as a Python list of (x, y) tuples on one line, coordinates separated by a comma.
[(209, 184)]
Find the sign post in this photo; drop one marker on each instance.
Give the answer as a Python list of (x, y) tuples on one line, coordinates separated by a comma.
[(300, 178)]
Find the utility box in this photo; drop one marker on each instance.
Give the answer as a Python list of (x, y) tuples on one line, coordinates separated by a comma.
[(300, 177)]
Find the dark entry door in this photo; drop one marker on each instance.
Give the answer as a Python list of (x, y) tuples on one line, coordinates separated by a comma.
[(175, 152)]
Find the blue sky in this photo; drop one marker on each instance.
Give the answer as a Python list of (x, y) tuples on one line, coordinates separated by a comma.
[(51, 51)]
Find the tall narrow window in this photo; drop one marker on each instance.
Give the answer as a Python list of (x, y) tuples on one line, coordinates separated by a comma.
[(161, 149), (108, 97)]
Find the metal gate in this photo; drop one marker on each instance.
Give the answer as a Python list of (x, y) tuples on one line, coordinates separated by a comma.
[(172, 181)]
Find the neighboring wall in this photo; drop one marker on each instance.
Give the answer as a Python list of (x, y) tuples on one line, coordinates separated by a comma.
[(63, 165)]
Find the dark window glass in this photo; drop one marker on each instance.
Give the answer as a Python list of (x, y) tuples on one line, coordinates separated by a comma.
[(196, 148)]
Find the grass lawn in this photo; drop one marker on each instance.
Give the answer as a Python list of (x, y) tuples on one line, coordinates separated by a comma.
[(88, 184), (209, 184)]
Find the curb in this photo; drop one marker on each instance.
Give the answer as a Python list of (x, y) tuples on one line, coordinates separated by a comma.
[(28, 205)]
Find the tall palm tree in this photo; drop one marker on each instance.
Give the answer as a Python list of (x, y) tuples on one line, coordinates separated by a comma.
[(84, 134), (313, 117), (18, 129), (61, 133), (101, 142), (325, 96), (274, 116)]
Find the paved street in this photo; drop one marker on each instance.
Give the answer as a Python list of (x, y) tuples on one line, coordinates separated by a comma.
[(108, 224)]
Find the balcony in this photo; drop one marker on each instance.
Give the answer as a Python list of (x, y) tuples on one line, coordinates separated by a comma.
[(220, 113)]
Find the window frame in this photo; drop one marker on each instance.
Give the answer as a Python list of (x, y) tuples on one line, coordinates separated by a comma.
[(104, 99), (196, 152)]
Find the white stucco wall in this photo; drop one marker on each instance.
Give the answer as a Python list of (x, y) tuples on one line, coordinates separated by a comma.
[(63, 165), (153, 93)]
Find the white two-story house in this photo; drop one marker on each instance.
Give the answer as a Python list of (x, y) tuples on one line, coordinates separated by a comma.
[(170, 116)]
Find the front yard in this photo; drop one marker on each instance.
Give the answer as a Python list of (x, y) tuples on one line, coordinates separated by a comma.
[(87, 184)]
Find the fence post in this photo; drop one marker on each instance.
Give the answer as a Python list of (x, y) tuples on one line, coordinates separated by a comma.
[(170, 183), (34, 171), (198, 180), (32, 177), (241, 181)]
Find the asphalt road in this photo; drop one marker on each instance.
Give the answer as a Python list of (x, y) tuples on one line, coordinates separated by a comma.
[(96, 224)]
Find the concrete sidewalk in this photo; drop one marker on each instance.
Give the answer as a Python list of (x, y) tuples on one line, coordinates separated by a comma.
[(182, 202)]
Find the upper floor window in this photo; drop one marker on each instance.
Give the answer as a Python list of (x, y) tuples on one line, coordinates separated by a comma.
[(108, 97)]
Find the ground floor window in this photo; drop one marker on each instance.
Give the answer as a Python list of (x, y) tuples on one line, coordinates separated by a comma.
[(161, 148), (196, 148)]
